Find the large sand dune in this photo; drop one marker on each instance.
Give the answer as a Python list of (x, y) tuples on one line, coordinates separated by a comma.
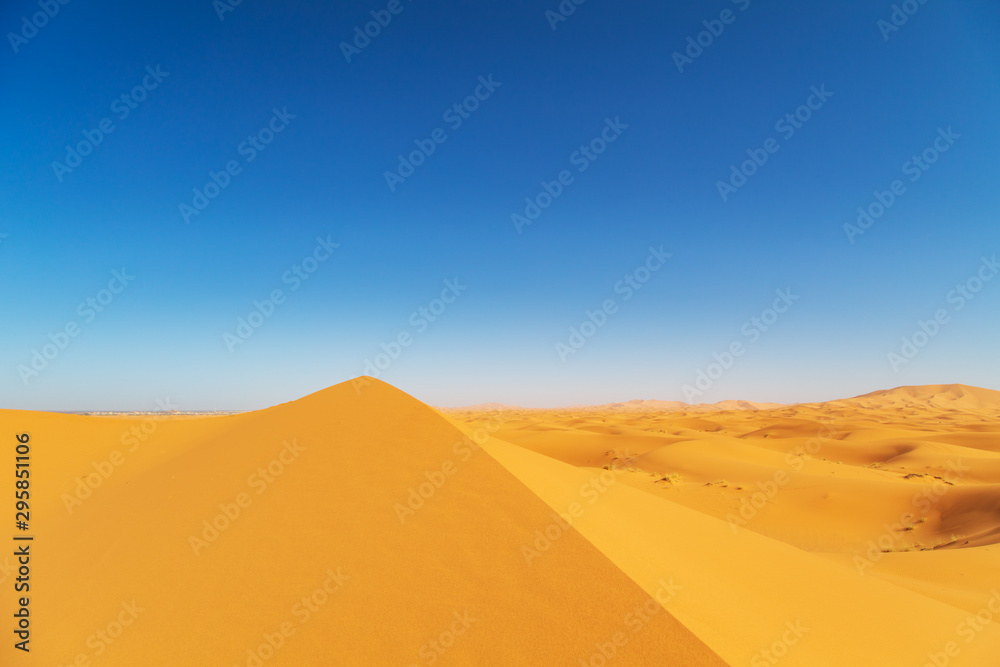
[(366, 525), (358, 526)]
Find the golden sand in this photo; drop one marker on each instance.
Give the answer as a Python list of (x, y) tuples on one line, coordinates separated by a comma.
[(358, 526)]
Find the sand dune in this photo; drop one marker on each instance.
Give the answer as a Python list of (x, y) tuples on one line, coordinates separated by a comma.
[(942, 396), (358, 526), (897, 487), (366, 526), (636, 405)]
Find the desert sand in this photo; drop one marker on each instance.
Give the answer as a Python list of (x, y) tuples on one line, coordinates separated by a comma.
[(359, 526)]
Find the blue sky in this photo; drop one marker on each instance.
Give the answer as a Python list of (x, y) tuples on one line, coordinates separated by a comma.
[(201, 92)]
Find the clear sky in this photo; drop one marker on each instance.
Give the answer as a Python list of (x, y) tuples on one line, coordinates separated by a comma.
[(200, 150)]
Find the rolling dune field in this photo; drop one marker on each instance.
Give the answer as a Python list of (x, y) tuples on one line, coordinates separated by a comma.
[(359, 526)]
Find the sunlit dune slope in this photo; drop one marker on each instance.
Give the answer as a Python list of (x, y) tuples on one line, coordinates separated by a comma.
[(900, 487), (832, 475), (355, 526)]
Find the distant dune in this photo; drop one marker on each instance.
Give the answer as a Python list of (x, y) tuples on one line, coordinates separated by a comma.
[(957, 396), (637, 405), (887, 503), (359, 526), (940, 396)]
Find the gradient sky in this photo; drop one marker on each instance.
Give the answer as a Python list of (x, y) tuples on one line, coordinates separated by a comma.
[(656, 185)]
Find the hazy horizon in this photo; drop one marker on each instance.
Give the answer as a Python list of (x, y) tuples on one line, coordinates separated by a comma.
[(167, 404)]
